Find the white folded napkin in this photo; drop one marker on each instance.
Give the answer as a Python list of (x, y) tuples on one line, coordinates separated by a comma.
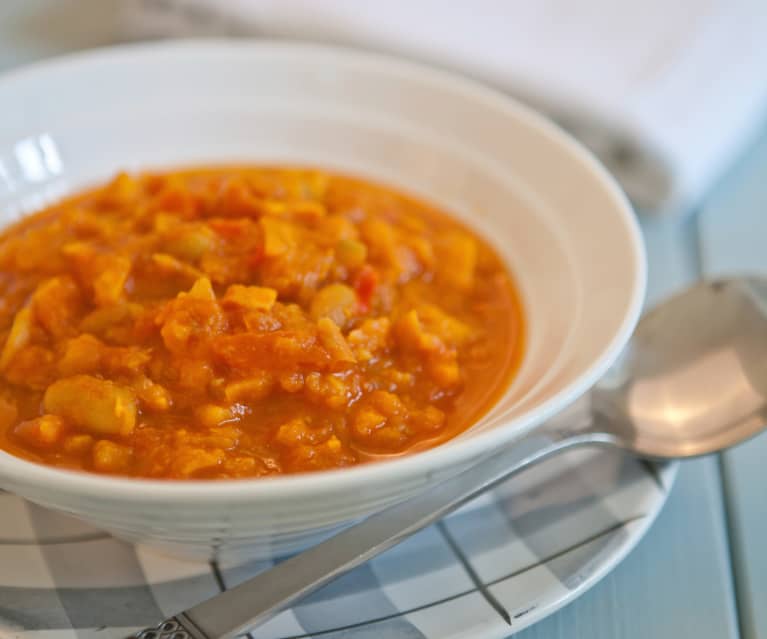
[(665, 93)]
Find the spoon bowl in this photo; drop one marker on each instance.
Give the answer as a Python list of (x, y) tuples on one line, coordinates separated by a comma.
[(693, 379)]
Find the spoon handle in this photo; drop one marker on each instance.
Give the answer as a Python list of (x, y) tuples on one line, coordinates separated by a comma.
[(257, 599)]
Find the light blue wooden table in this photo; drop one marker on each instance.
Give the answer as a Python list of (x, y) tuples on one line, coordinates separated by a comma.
[(701, 571)]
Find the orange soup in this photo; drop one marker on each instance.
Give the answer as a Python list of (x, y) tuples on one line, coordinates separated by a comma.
[(246, 322)]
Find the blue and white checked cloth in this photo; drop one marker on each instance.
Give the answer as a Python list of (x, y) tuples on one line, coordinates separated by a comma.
[(489, 570)]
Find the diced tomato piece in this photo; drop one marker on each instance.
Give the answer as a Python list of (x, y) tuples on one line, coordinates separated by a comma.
[(365, 285), (230, 228)]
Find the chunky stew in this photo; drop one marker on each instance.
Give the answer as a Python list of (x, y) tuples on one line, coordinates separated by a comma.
[(236, 322)]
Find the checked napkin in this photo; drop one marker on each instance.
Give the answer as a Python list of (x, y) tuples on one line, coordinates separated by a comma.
[(493, 567)]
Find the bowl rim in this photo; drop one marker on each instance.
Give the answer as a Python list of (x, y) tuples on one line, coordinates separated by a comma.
[(428, 462)]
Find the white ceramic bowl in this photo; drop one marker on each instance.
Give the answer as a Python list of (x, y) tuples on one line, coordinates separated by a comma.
[(564, 227)]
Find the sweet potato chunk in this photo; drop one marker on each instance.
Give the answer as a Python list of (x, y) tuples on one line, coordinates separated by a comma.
[(284, 350), (81, 354), (254, 298), (334, 341), (56, 304), (191, 318), (459, 250), (255, 387), (41, 432), (279, 236), (370, 338), (32, 367)]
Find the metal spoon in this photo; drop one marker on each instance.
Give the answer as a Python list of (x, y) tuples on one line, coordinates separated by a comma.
[(692, 381)]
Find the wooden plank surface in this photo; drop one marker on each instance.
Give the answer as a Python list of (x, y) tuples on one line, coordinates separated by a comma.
[(733, 239), (677, 583)]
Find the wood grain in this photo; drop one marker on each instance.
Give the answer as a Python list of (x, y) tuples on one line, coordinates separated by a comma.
[(733, 239), (678, 581)]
